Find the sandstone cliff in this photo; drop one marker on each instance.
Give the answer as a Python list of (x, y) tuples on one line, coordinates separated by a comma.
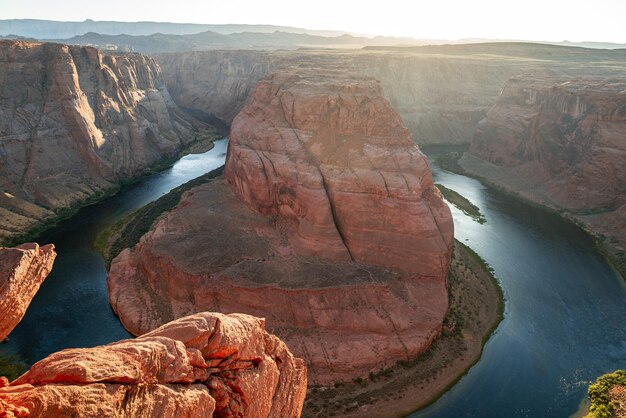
[(440, 99), (203, 365), (22, 270), (560, 142), (441, 92), (327, 224), (73, 123)]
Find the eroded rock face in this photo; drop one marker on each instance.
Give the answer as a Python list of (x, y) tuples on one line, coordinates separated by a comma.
[(440, 98), (333, 158), (22, 270), (326, 223), (74, 122), (203, 365), (561, 142)]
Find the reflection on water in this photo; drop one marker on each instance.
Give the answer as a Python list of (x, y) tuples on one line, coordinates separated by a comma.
[(71, 308), (565, 311)]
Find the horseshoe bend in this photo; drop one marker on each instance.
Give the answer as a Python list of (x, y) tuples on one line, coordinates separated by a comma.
[(326, 223)]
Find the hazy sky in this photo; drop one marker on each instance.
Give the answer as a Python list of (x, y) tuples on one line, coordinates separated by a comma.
[(551, 20)]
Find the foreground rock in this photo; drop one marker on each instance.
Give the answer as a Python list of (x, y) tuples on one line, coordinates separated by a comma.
[(203, 365), (327, 223), (73, 123), (560, 142), (22, 270)]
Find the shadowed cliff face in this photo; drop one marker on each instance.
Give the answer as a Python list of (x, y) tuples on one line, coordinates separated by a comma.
[(440, 99), (73, 122), (22, 270), (326, 223), (572, 129), (204, 365), (560, 142)]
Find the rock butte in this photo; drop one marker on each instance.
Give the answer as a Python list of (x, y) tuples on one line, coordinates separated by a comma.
[(22, 270), (560, 142), (204, 365), (326, 223), (75, 121)]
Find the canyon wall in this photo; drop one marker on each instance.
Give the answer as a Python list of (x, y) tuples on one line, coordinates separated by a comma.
[(203, 365), (560, 142), (440, 99), (22, 270), (73, 123), (326, 223)]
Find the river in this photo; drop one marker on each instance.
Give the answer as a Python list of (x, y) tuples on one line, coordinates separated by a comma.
[(565, 311), (72, 307)]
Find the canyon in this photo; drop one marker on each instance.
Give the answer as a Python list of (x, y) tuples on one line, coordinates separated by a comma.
[(326, 223), (74, 123), (441, 92), (560, 142), (22, 270), (203, 365)]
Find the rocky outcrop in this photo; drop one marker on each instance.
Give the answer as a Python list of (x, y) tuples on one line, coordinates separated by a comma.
[(560, 142), (204, 365), (22, 270), (73, 123), (326, 223), (332, 160)]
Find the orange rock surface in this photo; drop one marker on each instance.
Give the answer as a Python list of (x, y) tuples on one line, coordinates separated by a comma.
[(327, 224), (204, 365), (74, 122), (22, 270)]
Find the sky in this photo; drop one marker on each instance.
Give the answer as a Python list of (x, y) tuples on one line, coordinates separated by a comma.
[(546, 20)]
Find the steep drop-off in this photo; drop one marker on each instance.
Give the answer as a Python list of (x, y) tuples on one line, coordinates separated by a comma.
[(560, 142), (22, 270), (440, 99), (441, 92), (73, 123), (327, 223), (203, 365)]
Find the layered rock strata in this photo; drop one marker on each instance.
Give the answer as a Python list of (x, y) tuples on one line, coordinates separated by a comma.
[(73, 123), (441, 92), (326, 223), (440, 99), (22, 270), (203, 365), (560, 142)]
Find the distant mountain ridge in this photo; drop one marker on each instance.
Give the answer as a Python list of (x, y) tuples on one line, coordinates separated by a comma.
[(61, 31), (159, 42), (52, 29)]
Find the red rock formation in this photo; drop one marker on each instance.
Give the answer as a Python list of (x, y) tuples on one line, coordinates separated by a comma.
[(342, 244), (560, 142), (22, 270), (203, 365), (333, 158), (74, 122)]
